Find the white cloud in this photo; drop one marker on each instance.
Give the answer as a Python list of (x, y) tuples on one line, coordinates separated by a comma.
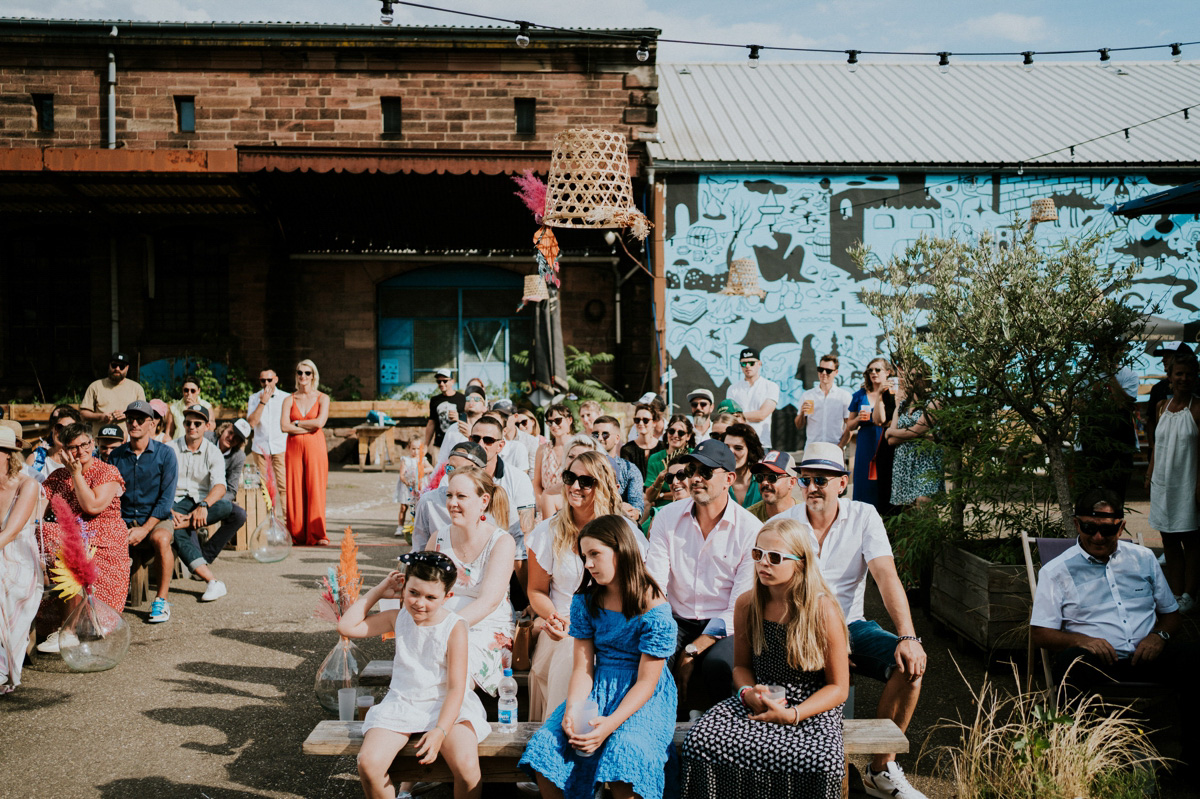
[(1002, 25)]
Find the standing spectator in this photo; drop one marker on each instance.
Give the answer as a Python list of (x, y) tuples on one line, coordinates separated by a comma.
[(917, 470), (20, 569), (589, 412), (150, 470), (824, 407), (606, 432), (265, 415), (871, 410), (757, 395), (1162, 389), (189, 395), (747, 451), (230, 439), (776, 478), (304, 415), (701, 401), (475, 405), (444, 409), (107, 440), (47, 455), (699, 553), (645, 443), (547, 469), (201, 498), (105, 400), (1173, 476)]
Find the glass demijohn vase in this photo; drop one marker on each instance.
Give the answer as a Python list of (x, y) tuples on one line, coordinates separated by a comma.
[(339, 669), (270, 541), (93, 637)]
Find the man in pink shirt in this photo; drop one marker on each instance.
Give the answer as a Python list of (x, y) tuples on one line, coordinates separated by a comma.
[(699, 553)]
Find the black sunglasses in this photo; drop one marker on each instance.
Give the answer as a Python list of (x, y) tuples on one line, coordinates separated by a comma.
[(825, 371), (700, 403), (484, 440), (676, 432), (642, 420), (585, 481), (820, 482), (680, 475), (601, 435), (265, 380), (304, 372), (693, 469), (118, 365), (435, 559), (768, 477), (717, 437), (1094, 528), (522, 422), (193, 423)]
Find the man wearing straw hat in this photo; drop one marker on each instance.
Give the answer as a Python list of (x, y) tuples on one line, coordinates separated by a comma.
[(757, 395)]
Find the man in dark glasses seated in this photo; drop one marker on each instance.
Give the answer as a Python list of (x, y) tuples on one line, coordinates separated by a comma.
[(850, 541), (1107, 602)]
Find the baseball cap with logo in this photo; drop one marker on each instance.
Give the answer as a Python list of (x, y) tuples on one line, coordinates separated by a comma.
[(443, 373), (777, 462), (119, 357), (244, 429), (142, 407), (110, 434), (728, 406), (197, 410), (749, 354)]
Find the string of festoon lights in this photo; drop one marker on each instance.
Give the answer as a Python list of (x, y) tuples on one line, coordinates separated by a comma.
[(643, 43)]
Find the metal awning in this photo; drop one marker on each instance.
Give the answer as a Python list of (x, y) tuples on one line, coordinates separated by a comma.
[(1179, 200)]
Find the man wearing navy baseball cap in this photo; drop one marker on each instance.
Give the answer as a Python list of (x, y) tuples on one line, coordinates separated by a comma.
[(699, 554), (757, 395)]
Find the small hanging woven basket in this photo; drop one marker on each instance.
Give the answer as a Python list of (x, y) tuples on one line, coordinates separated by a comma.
[(743, 280), (535, 289), (589, 184), (1042, 210)]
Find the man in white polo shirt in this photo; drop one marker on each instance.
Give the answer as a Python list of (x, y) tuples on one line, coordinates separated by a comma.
[(263, 412), (824, 407), (850, 541), (699, 554), (757, 395)]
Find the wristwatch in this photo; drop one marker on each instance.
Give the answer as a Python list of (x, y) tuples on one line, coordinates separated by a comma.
[(1163, 634), (202, 504), (691, 650)]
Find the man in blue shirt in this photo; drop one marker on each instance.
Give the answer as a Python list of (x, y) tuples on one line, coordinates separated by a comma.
[(149, 469)]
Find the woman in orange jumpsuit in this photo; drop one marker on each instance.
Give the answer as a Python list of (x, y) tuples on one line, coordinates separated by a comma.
[(303, 418)]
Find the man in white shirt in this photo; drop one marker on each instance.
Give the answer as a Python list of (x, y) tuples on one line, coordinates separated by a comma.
[(850, 540), (474, 406), (825, 406), (263, 412), (488, 433), (701, 401), (757, 395), (200, 497), (514, 453), (699, 554)]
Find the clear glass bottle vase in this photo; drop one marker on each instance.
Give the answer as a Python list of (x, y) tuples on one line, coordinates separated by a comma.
[(270, 541), (340, 669), (93, 637)]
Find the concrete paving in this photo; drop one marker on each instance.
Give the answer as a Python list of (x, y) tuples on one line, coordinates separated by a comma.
[(215, 703)]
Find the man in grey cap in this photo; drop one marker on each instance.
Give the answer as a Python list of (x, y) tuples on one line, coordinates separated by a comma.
[(776, 477), (201, 498), (701, 402), (699, 554)]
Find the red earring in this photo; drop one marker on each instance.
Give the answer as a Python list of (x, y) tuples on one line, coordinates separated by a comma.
[(483, 517)]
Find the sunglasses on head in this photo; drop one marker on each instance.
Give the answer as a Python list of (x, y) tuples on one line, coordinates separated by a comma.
[(1098, 528), (694, 468), (435, 559), (63, 425), (820, 482), (677, 475), (585, 481), (825, 371), (305, 372), (488, 440), (768, 477), (773, 557)]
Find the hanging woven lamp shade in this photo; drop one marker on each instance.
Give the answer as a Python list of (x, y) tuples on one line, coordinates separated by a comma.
[(535, 289), (1042, 210), (743, 280), (589, 184)]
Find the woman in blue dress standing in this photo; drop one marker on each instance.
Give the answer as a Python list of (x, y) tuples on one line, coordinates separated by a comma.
[(871, 410), (623, 633)]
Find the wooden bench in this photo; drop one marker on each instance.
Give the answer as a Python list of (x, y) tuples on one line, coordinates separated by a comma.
[(499, 752), (379, 673)]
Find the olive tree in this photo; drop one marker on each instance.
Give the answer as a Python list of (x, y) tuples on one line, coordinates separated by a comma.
[(1016, 329)]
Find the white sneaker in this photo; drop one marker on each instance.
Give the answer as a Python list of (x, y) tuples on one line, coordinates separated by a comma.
[(50, 645), (399, 530), (215, 590), (1186, 603), (889, 783)]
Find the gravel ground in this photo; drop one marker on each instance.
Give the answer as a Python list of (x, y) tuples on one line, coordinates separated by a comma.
[(216, 702)]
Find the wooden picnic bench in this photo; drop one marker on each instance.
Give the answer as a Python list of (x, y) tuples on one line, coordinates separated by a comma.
[(499, 752)]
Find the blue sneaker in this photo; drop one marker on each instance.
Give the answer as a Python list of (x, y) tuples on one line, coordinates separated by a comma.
[(160, 611)]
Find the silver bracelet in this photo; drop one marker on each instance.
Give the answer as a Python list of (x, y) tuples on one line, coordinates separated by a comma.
[(909, 638)]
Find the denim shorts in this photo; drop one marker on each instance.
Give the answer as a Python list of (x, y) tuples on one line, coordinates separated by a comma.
[(873, 650)]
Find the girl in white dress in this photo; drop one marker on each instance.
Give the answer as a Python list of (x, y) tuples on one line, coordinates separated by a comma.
[(429, 691), (1173, 483)]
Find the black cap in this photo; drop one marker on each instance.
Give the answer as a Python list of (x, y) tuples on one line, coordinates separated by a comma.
[(197, 410), (1086, 504), (142, 407), (472, 452), (713, 453), (110, 432), (749, 354), (475, 390), (119, 357)]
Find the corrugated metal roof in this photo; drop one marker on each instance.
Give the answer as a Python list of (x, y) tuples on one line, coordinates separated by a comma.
[(911, 114)]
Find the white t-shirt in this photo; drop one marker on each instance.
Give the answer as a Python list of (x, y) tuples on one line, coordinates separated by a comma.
[(751, 398), (516, 456), (828, 418), (269, 438), (856, 538), (566, 574)]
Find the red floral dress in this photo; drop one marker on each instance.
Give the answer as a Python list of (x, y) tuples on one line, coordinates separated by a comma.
[(105, 531)]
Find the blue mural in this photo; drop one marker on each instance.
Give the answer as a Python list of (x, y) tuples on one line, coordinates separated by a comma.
[(796, 228)]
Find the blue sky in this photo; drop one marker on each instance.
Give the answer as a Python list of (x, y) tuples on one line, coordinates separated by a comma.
[(929, 25)]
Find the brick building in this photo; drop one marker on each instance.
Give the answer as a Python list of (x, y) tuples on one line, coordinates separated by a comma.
[(266, 192)]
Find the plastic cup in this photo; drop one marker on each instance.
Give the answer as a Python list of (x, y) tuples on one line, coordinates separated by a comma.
[(808, 407), (346, 700), (864, 413), (361, 706), (894, 382), (582, 714), (776, 693)]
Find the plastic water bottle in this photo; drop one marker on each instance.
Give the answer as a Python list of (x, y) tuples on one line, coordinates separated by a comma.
[(508, 702)]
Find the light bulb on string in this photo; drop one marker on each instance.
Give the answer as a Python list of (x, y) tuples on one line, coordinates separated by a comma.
[(523, 35), (1105, 58), (386, 14), (1177, 52), (1072, 152), (1027, 61), (754, 48), (1020, 171), (643, 51), (1187, 117), (944, 63), (1127, 139), (852, 60)]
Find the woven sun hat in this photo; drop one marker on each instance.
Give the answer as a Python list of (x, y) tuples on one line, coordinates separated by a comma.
[(589, 185), (823, 457), (535, 289), (9, 441), (743, 279)]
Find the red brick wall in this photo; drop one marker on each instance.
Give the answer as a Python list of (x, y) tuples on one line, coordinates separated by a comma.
[(440, 110)]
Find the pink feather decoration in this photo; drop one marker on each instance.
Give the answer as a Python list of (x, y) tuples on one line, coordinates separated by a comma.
[(73, 552), (532, 191)]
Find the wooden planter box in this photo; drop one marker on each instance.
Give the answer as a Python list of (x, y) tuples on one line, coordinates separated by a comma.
[(986, 603)]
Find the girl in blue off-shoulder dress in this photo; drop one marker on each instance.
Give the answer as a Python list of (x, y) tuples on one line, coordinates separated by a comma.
[(623, 633)]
